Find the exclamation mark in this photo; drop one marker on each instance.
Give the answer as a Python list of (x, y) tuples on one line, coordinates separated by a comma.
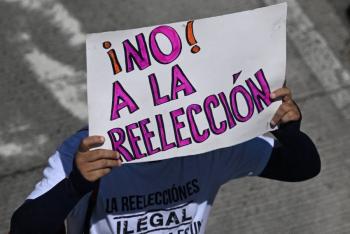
[(191, 40), (113, 57)]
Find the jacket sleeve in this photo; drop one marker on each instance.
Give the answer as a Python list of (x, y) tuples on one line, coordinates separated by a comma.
[(60, 189), (294, 156), (46, 213)]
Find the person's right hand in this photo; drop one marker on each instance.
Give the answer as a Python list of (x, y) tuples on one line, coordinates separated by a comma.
[(95, 163)]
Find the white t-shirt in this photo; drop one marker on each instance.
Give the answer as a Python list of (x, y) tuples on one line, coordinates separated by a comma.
[(169, 196)]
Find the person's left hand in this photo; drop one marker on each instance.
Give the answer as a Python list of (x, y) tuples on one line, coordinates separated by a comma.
[(288, 110)]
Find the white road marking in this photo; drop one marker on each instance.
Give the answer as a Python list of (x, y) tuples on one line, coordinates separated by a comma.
[(20, 148), (59, 16), (64, 82), (316, 53), (16, 128)]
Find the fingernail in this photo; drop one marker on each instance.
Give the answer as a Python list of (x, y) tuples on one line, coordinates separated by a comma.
[(272, 123), (102, 139), (272, 95)]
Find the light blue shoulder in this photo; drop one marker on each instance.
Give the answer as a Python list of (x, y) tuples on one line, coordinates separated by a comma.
[(69, 147)]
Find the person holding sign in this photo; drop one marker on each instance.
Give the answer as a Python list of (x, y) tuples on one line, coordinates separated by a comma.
[(131, 178), (169, 196)]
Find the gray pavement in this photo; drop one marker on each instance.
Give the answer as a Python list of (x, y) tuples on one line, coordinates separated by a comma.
[(42, 93)]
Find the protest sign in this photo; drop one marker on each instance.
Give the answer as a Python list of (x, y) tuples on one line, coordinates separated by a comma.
[(186, 88)]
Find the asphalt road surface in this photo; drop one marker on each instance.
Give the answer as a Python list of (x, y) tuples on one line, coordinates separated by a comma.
[(43, 100)]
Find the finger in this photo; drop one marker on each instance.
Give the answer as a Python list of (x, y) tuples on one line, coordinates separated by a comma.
[(91, 142), (104, 163), (287, 98), (280, 93), (290, 116), (102, 154), (97, 174), (281, 111)]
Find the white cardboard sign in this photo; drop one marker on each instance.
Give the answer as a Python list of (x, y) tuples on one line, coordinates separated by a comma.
[(186, 88)]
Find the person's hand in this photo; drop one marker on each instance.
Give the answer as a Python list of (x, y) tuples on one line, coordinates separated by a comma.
[(95, 163), (288, 110)]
